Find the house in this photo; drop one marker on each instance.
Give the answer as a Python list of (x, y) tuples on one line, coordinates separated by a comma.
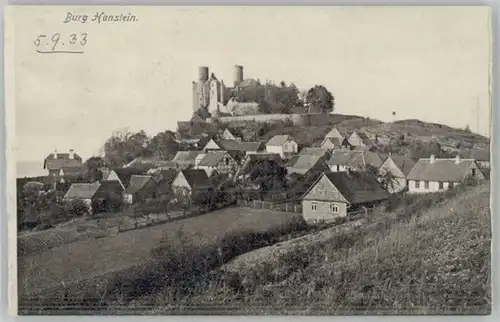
[(140, 187), (359, 138), (82, 191), (335, 194), (123, 175), (60, 164), (252, 161), (216, 145), (432, 174), (325, 154), (164, 179), (186, 158), (250, 147), (147, 162), (221, 161), (231, 134), (284, 145), (108, 197), (342, 161), (335, 133), (399, 166), (191, 181), (304, 164)]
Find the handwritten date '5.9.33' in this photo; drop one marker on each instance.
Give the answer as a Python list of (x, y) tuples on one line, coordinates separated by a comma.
[(62, 44)]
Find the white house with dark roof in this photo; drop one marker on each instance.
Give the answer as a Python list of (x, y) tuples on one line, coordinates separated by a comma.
[(284, 145), (335, 194), (399, 166), (432, 174)]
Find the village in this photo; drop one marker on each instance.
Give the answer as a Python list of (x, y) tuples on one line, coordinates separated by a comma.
[(343, 174), (230, 173)]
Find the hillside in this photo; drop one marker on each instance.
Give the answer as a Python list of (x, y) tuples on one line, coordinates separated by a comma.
[(436, 261), (399, 134)]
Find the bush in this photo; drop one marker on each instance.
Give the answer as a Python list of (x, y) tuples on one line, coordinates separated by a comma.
[(77, 208)]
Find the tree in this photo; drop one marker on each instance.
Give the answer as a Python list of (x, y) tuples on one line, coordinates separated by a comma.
[(386, 179), (123, 147), (320, 99), (92, 169), (164, 145), (467, 128)]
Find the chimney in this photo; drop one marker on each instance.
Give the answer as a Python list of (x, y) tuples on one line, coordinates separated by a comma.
[(71, 154), (433, 158), (457, 159), (54, 154)]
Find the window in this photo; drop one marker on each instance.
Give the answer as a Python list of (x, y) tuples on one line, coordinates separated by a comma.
[(450, 184), (313, 205), (417, 184), (441, 185), (473, 172), (426, 184), (334, 208)]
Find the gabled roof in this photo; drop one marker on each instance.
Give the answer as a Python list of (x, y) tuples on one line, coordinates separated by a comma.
[(197, 178), (213, 158), (301, 164), (355, 187), (137, 183), (62, 161), (364, 138), (319, 152), (339, 158), (73, 171), (441, 170), (279, 140), (227, 144), (82, 190), (250, 146), (108, 186), (355, 159), (124, 174), (333, 133), (142, 160), (334, 141), (404, 163), (186, 157)]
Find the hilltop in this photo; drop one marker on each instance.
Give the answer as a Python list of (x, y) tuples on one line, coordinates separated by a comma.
[(399, 136)]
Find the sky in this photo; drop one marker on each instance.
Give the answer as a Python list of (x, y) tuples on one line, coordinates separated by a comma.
[(429, 63)]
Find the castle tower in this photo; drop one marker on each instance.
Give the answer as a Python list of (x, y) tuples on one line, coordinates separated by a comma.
[(237, 74), (202, 73), (201, 89)]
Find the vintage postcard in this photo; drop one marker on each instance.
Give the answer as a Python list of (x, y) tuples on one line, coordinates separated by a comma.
[(248, 160)]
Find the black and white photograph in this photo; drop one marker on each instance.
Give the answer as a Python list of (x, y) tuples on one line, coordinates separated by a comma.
[(248, 160)]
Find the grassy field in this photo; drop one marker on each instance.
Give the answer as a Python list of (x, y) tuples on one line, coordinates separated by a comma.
[(89, 259), (433, 261)]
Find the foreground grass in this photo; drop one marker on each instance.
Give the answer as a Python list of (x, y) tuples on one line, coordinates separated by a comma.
[(429, 254), (431, 262)]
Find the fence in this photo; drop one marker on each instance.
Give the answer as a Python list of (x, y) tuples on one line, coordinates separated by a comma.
[(282, 206), (361, 213)]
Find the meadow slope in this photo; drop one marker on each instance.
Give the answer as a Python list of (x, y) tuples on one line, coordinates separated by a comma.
[(435, 261)]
